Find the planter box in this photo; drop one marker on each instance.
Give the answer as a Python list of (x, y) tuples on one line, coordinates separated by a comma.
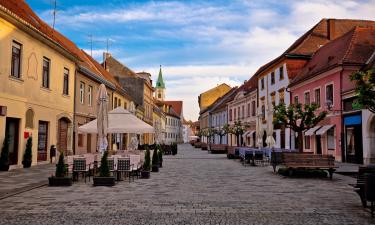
[(155, 169), (104, 181), (4, 167), (26, 164), (145, 174), (60, 181)]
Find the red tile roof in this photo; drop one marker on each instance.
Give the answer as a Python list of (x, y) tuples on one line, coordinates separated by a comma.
[(353, 48), (176, 105), (323, 32)]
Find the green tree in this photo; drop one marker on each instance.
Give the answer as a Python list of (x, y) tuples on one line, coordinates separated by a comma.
[(238, 129), (155, 158), (4, 157), (222, 131), (104, 168), (365, 89), (61, 167), (298, 118), (27, 156), (210, 132), (146, 164)]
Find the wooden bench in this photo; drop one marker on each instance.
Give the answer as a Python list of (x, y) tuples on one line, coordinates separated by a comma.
[(231, 152), (359, 187), (307, 161), (218, 148), (204, 146), (198, 144)]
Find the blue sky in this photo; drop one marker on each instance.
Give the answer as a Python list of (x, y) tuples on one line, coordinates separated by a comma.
[(200, 43)]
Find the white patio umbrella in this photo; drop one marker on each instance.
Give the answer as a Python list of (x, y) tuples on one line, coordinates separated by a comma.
[(102, 118), (120, 121), (259, 132), (270, 140)]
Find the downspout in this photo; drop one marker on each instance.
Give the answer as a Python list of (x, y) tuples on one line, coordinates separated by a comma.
[(74, 111), (342, 137), (290, 130)]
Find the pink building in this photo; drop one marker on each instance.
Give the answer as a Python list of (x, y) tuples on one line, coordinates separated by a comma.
[(325, 81)]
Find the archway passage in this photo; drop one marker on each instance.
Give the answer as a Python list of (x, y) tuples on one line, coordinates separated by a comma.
[(62, 142)]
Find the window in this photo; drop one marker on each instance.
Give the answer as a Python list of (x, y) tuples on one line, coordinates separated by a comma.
[(239, 113), (307, 98), (331, 141), (115, 102), (329, 94), (281, 96), (80, 140), (90, 95), (273, 78), (16, 60), (125, 105), (263, 112), (253, 108), (230, 114), (281, 72), (248, 110), (119, 103), (81, 92), (243, 111), (262, 83), (66, 82), (317, 96), (46, 71), (307, 142), (296, 99), (273, 98), (235, 113)]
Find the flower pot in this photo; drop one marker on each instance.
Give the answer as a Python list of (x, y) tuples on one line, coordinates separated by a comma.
[(104, 181), (60, 181), (4, 167), (26, 163), (155, 169), (145, 174)]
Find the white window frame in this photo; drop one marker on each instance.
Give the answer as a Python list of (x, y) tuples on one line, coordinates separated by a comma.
[(304, 97), (89, 93), (82, 92), (333, 93), (320, 96)]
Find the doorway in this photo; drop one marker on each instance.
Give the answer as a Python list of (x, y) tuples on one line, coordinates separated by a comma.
[(63, 136), (353, 148), (42, 140), (12, 130), (88, 143), (318, 140)]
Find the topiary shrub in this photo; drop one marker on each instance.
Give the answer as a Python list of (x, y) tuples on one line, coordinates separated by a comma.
[(104, 168), (160, 154), (27, 156), (4, 157), (174, 148), (61, 169), (147, 164), (155, 160)]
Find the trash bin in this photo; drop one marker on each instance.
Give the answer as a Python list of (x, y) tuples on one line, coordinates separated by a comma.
[(370, 190)]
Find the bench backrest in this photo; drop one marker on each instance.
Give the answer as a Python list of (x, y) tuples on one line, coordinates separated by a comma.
[(306, 159), (362, 171)]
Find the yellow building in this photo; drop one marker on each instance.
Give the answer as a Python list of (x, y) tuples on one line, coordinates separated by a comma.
[(208, 97), (36, 84)]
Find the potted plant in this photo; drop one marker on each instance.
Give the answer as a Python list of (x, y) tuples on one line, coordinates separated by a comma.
[(104, 178), (4, 157), (145, 173), (155, 161), (174, 148), (160, 152), (61, 177), (27, 156)]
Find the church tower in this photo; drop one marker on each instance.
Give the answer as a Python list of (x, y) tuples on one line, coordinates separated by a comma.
[(160, 87)]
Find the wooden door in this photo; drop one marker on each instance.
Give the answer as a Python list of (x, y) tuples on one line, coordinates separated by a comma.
[(63, 136), (12, 130), (88, 143), (42, 140)]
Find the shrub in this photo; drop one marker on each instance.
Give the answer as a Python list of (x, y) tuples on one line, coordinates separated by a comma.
[(61, 167), (104, 168), (155, 158), (4, 157), (160, 154), (146, 164), (174, 148), (27, 156)]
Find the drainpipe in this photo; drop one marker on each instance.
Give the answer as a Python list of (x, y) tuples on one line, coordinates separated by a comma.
[(343, 152), (74, 110), (290, 130)]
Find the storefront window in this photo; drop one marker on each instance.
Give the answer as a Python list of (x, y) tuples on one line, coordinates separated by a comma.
[(331, 145), (350, 141)]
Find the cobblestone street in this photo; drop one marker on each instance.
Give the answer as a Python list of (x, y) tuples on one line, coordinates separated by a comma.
[(193, 187)]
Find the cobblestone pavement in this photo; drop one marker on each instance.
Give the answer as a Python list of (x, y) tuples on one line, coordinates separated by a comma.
[(194, 187)]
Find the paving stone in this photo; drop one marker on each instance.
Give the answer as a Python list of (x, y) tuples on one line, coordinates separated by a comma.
[(194, 187)]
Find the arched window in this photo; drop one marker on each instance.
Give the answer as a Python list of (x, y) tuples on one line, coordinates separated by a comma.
[(29, 119)]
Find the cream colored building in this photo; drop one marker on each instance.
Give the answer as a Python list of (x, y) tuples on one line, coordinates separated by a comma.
[(36, 84)]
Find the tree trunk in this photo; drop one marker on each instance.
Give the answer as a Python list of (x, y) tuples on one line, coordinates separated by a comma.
[(238, 140), (220, 138), (300, 141)]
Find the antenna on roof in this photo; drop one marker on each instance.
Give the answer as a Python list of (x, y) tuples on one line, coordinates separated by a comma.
[(54, 15)]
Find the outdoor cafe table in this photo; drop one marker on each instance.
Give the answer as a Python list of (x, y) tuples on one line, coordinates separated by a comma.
[(244, 151)]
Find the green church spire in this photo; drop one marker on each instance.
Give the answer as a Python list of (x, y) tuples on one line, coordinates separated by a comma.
[(160, 83)]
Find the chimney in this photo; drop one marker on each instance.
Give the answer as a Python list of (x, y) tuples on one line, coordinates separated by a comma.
[(106, 55), (331, 29)]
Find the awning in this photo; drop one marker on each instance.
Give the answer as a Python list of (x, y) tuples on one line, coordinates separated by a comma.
[(311, 131), (324, 129)]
